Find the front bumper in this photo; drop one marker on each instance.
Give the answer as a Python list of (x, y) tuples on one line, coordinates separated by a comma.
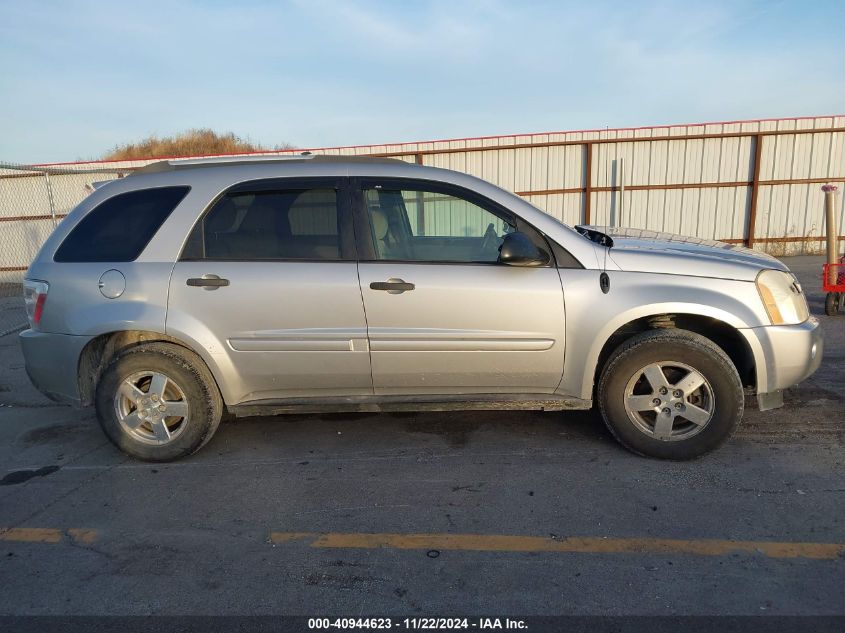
[(790, 354), (52, 362)]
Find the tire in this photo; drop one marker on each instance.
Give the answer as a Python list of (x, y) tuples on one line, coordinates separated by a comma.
[(130, 411), (664, 431), (831, 303)]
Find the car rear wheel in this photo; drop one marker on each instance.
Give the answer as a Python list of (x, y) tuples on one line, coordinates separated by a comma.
[(671, 394), (158, 402)]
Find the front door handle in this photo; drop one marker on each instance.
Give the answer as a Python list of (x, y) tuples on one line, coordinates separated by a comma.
[(209, 282), (392, 286)]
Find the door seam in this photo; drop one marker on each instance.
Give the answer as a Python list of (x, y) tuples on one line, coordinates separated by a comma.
[(367, 325), (167, 296)]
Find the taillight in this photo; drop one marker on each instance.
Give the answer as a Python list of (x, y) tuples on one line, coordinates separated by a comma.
[(34, 296)]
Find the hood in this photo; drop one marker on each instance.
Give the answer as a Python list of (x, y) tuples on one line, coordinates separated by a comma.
[(652, 251)]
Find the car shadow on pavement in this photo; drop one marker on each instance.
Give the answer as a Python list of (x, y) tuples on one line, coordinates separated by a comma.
[(456, 430)]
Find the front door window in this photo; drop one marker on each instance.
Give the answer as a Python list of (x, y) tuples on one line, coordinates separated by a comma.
[(419, 225)]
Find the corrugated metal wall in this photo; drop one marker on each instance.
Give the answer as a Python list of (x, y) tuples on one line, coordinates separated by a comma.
[(753, 182), (692, 186)]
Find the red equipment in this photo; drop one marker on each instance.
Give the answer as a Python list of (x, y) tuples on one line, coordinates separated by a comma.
[(835, 291)]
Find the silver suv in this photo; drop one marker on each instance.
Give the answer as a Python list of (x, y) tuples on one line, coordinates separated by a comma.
[(194, 289)]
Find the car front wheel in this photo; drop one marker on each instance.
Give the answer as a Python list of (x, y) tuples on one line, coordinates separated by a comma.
[(671, 394), (158, 402)]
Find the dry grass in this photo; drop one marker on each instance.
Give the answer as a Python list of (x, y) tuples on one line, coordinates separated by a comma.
[(197, 142)]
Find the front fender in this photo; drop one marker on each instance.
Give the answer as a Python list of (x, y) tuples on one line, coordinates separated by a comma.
[(593, 317)]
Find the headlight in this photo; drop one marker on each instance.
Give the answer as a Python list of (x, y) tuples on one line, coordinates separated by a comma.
[(782, 296)]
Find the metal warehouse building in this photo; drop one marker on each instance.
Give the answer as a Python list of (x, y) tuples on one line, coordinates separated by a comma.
[(755, 183)]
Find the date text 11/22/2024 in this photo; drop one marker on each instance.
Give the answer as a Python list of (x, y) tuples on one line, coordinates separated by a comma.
[(432, 623)]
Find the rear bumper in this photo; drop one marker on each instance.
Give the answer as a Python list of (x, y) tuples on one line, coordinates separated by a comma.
[(52, 362), (791, 353)]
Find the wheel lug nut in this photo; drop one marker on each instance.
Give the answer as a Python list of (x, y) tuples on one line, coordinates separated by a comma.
[(655, 402), (678, 406), (155, 396), (678, 393), (663, 391), (161, 407), (667, 410)]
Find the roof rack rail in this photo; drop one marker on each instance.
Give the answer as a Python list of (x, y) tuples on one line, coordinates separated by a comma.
[(219, 161)]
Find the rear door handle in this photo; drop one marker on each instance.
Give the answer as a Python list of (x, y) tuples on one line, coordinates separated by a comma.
[(392, 286), (209, 282)]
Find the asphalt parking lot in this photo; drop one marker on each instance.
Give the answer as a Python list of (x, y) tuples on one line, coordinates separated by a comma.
[(428, 514)]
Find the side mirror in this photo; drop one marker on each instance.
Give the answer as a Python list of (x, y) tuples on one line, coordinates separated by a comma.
[(517, 249)]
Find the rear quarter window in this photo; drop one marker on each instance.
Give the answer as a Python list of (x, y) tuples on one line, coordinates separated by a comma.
[(119, 229)]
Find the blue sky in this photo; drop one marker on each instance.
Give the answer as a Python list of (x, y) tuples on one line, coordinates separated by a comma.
[(81, 77)]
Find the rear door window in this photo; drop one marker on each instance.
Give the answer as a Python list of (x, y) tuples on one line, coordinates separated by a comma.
[(119, 229), (291, 224)]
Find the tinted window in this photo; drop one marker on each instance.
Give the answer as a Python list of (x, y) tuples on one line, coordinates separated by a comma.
[(292, 224), (120, 228), (429, 226)]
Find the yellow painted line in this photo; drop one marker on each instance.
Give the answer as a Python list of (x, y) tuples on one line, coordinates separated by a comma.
[(48, 535), (32, 535), (286, 537), (82, 535), (583, 545)]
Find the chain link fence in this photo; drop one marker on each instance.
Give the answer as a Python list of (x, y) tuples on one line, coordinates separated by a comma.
[(33, 200)]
